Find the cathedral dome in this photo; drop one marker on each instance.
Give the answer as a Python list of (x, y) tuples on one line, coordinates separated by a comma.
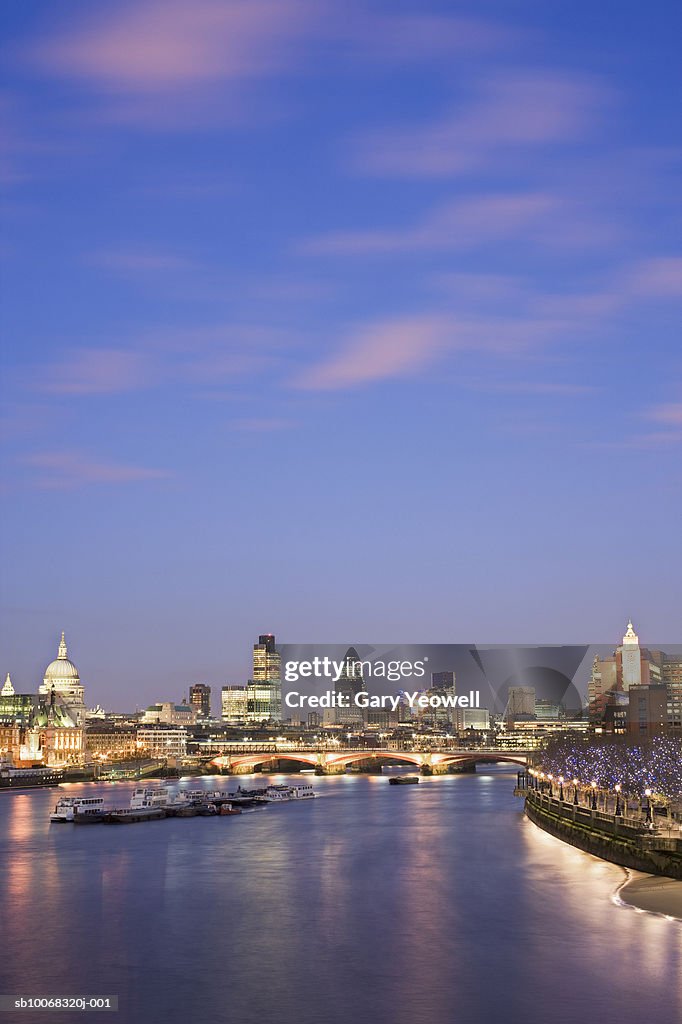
[(61, 669)]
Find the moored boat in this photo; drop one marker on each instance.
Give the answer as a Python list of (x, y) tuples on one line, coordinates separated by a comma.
[(403, 780), (68, 806)]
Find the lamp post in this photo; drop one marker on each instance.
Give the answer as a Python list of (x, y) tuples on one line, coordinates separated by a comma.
[(561, 788), (618, 807), (649, 816), (594, 795), (575, 792)]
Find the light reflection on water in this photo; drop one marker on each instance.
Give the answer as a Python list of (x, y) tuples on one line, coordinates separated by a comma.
[(433, 903)]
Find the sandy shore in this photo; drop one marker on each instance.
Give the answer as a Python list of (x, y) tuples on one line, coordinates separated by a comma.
[(654, 893)]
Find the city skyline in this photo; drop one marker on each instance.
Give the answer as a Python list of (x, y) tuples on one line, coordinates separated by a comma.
[(344, 327), (474, 665)]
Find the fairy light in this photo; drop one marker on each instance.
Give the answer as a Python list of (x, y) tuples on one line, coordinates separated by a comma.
[(656, 765)]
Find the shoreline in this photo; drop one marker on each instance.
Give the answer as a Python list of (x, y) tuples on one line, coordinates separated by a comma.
[(654, 894)]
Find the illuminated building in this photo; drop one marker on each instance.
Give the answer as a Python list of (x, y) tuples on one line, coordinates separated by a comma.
[(168, 713), (233, 705), (264, 690), (112, 744), (654, 676), (162, 741), (61, 677), (200, 699)]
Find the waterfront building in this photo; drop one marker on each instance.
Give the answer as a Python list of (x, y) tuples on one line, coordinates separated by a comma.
[(647, 711), (471, 718), (168, 713), (233, 705), (264, 689), (44, 729), (632, 666), (61, 678), (114, 744), (200, 699), (162, 741), (671, 676)]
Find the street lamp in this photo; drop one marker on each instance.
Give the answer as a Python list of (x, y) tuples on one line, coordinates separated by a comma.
[(618, 807), (561, 788), (575, 792), (594, 795)]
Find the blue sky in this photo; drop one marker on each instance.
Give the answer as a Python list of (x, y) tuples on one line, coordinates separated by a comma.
[(353, 322)]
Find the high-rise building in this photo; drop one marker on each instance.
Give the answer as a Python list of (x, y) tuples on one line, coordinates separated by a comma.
[(520, 703), (233, 705), (200, 699), (632, 666), (264, 690), (671, 676), (443, 681), (439, 717), (349, 684)]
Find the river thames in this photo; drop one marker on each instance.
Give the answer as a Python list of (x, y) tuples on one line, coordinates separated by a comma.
[(431, 904)]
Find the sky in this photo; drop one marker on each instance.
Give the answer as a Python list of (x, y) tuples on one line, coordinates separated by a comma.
[(352, 322)]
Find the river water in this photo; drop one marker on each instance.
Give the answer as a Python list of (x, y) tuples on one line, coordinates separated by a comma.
[(431, 904)]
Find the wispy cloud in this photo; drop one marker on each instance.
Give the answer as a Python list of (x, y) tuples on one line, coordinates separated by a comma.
[(96, 371), (536, 217), (169, 64), (659, 278), (205, 355), (72, 469), (510, 110), (133, 261), (393, 348), (162, 46), (417, 37), (404, 346), (669, 413), (262, 424)]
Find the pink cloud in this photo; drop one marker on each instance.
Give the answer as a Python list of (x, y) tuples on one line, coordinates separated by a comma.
[(73, 469), (97, 372), (393, 348), (659, 278), (403, 346), (669, 413), (512, 109), (153, 46)]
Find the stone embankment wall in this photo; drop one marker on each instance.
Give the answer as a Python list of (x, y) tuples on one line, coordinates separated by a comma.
[(621, 841)]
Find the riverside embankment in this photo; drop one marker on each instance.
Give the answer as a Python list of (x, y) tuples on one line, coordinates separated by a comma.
[(621, 840)]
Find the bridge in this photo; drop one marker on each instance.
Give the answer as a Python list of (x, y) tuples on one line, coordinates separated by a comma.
[(242, 758)]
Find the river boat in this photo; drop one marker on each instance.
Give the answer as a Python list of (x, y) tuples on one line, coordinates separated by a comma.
[(68, 806), (27, 778)]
